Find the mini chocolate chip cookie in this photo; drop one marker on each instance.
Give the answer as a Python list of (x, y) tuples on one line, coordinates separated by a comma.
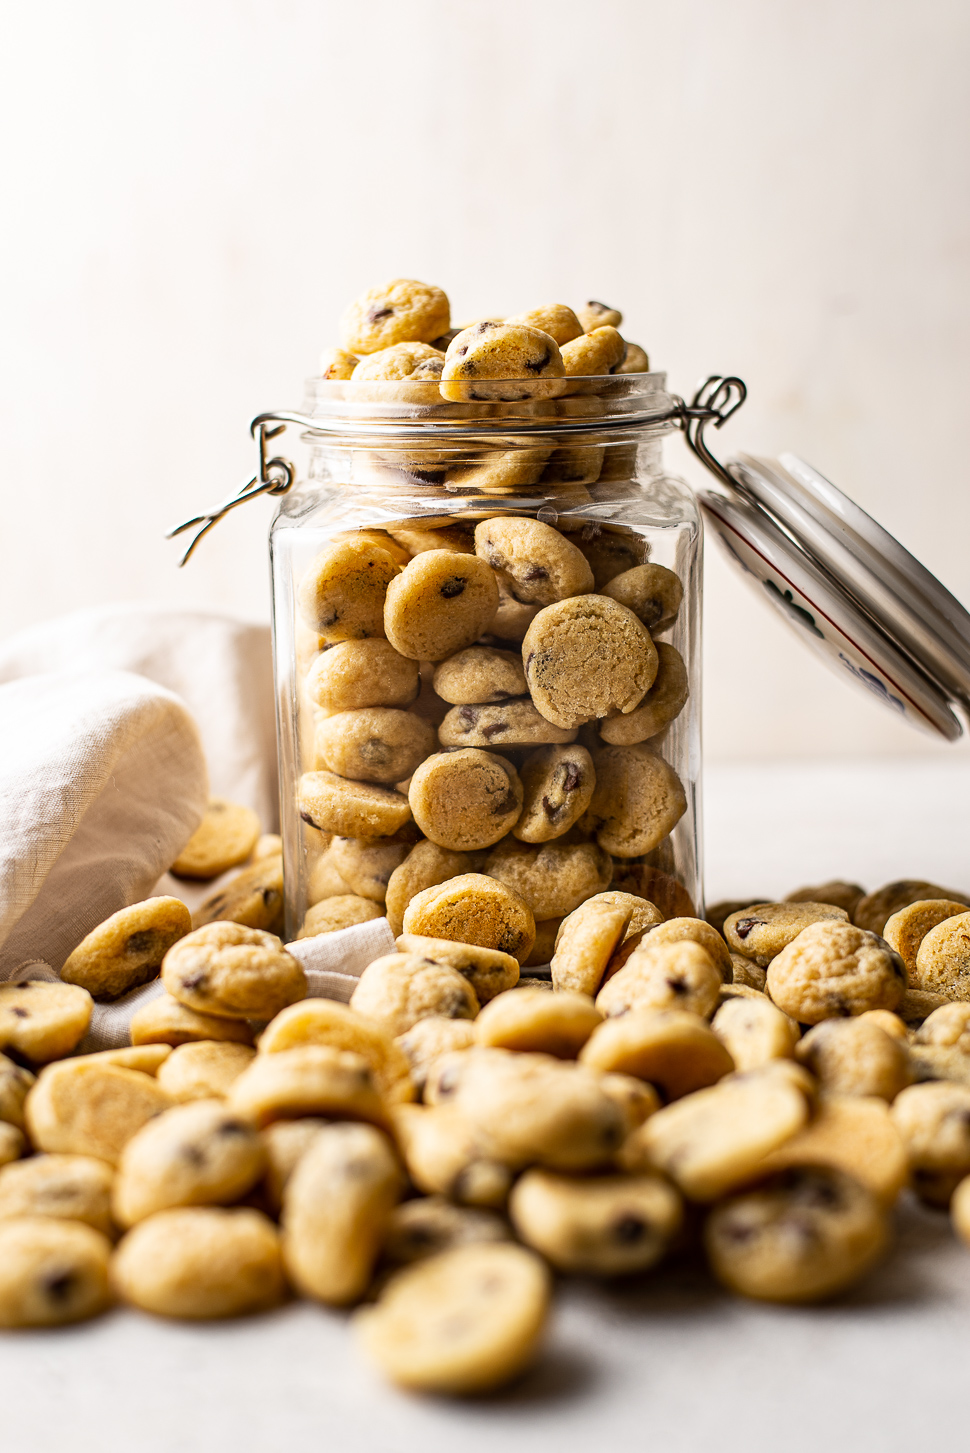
[(652, 592), (906, 930), (374, 744), (311, 1079), (557, 786), (341, 596), (352, 809), (323, 1021), (43, 1021), (439, 604), (482, 361), (430, 1038), (943, 959), (553, 878), (51, 1272), (514, 723), (87, 1107), (15, 1082), (934, 1122), (761, 931), (465, 800), (670, 1048), (62, 1187), (586, 942), (754, 1032), (832, 970), (586, 657), (679, 930), (476, 909), (605, 1226), (337, 364), (555, 319), (635, 360), (535, 563), (165, 1021), (225, 838), (399, 989), (610, 549), (598, 315), (366, 864), (529, 1020), (426, 865), (679, 975), (487, 970), (127, 949), (600, 351), (853, 1057), (233, 972), (512, 619), (637, 801), (200, 1262), (418, 362), (480, 674), (430, 1225), (253, 898), (193, 1155), (204, 1070), (661, 705), (356, 674), (403, 311), (837, 892)]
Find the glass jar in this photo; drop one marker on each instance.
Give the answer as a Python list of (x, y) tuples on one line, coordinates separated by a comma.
[(395, 471)]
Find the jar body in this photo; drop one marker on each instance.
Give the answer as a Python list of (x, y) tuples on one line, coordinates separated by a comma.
[(592, 477)]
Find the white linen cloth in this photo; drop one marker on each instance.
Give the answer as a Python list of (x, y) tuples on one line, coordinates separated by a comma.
[(102, 781)]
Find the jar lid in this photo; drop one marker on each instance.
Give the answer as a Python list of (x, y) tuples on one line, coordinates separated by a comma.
[(856, 596)]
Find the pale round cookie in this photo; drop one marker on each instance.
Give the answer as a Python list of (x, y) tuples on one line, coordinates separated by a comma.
[(43, 1021), (801, 1235), (15, 1083), (552, 878), (312, 1079), (600, 351), (667, 1047), (948, 1026), (855, 1134), (934, 1122), (366, 864), (598, 315), (855, 1057), (715, 1139), (635, 360), (253, 898), (586, 942), (512, 619), (485, 353), (637, 801), (352, 809), (373, 744), (341, 595), (430, 1225), (355, 674), (402, 311), (463, 1322), (165, 1021), (556, 319), (585, 657), (233, 972), (473, 908), (337, 364), (418, 362), (693, 930), (200, 1262), (943, 959), (465, 800), (874, 910), (429, 1039), (557, 784), (679, 975), (652, 592), (497, 469), (425, 866), (399, 989), (906, 930), (224, 838), (323, 879), (203, 1070), (127, 949), (831, 970), (324, 1021), (755, 1032), (514, 723), (86, 1107), (439, 604), (285, 1142), (489, 971), (761, 931), (536, 564), (661, 705), (198, 1154), (531, 1020), (64, 1187), (837, 892), (336, 1207), (443, 1157), (605, 1226), (480, 674), (51, 1272)]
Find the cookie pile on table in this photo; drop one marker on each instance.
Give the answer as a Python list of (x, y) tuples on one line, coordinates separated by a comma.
[(757, 1088)]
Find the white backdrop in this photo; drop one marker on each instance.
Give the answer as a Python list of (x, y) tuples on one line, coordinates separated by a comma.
[(193, 191)]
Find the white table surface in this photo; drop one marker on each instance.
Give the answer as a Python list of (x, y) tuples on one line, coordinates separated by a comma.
[(667, 1363)]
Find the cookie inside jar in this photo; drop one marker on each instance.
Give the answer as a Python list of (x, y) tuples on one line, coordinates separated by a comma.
[(486, 602)]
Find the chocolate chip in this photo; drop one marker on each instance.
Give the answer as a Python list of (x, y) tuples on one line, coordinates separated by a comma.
[(484, 326), (327, 617), (59, 1286), (460, 352), (600, 307), (571, 775), (677, 986), (468, 716), (453, 587), (495, 729), (540, 363), (305, 817), (375, 752), (505, 803), (552, 810), (19, 1013), (628, 1229), (536, 572), (232, 1127), (140, 942), (744, 926), (193, 1155), (374, 315), (194, 981)]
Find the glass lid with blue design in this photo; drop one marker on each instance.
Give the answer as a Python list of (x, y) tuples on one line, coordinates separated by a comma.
[(847, 587)]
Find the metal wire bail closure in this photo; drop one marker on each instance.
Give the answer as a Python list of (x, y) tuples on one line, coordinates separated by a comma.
[(275, 476)]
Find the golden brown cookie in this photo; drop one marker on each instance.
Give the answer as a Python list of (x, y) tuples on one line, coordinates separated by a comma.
[(943, 959), (535, 563), (373, 744), (399, 989), (556, 319), (599, 351), (439, 604), (762, 930), (366, 864), (425, 866), (127, 949), (587, 941), (557, 785), (604, 1226), (465, 800), (853, 1057), (514, 723), (232, 972), (63, 1187), (165, 1021), (86, 1107), (598, 315), (444, 1158), (476, 909), (552, 878), (934, 1122), (352, 809), (200, 1262), (652, 592), (754, 1032), (483, 358), (253, 898), (833, 969), (480, 674), (638, 800), (855, 1134), (430, 1225), (429, 1039), (532, 1020), (15, 1082), (635, 360), (337, 364), (203, 1070), (873, 911), (402, 311), (586, 657), (341, 595), (836, 891), (669, 1048), (43, 1021), (906, 930), (679, 975), (661, 705), (312, 1079), (323, 1021), (51, 1272), (224, 838), (683, 930), (745, 972), (199, 1154), (416, 361), (489, 971), (352, 675)]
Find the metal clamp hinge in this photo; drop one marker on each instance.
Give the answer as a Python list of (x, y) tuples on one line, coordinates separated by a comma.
[(275, 476)]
